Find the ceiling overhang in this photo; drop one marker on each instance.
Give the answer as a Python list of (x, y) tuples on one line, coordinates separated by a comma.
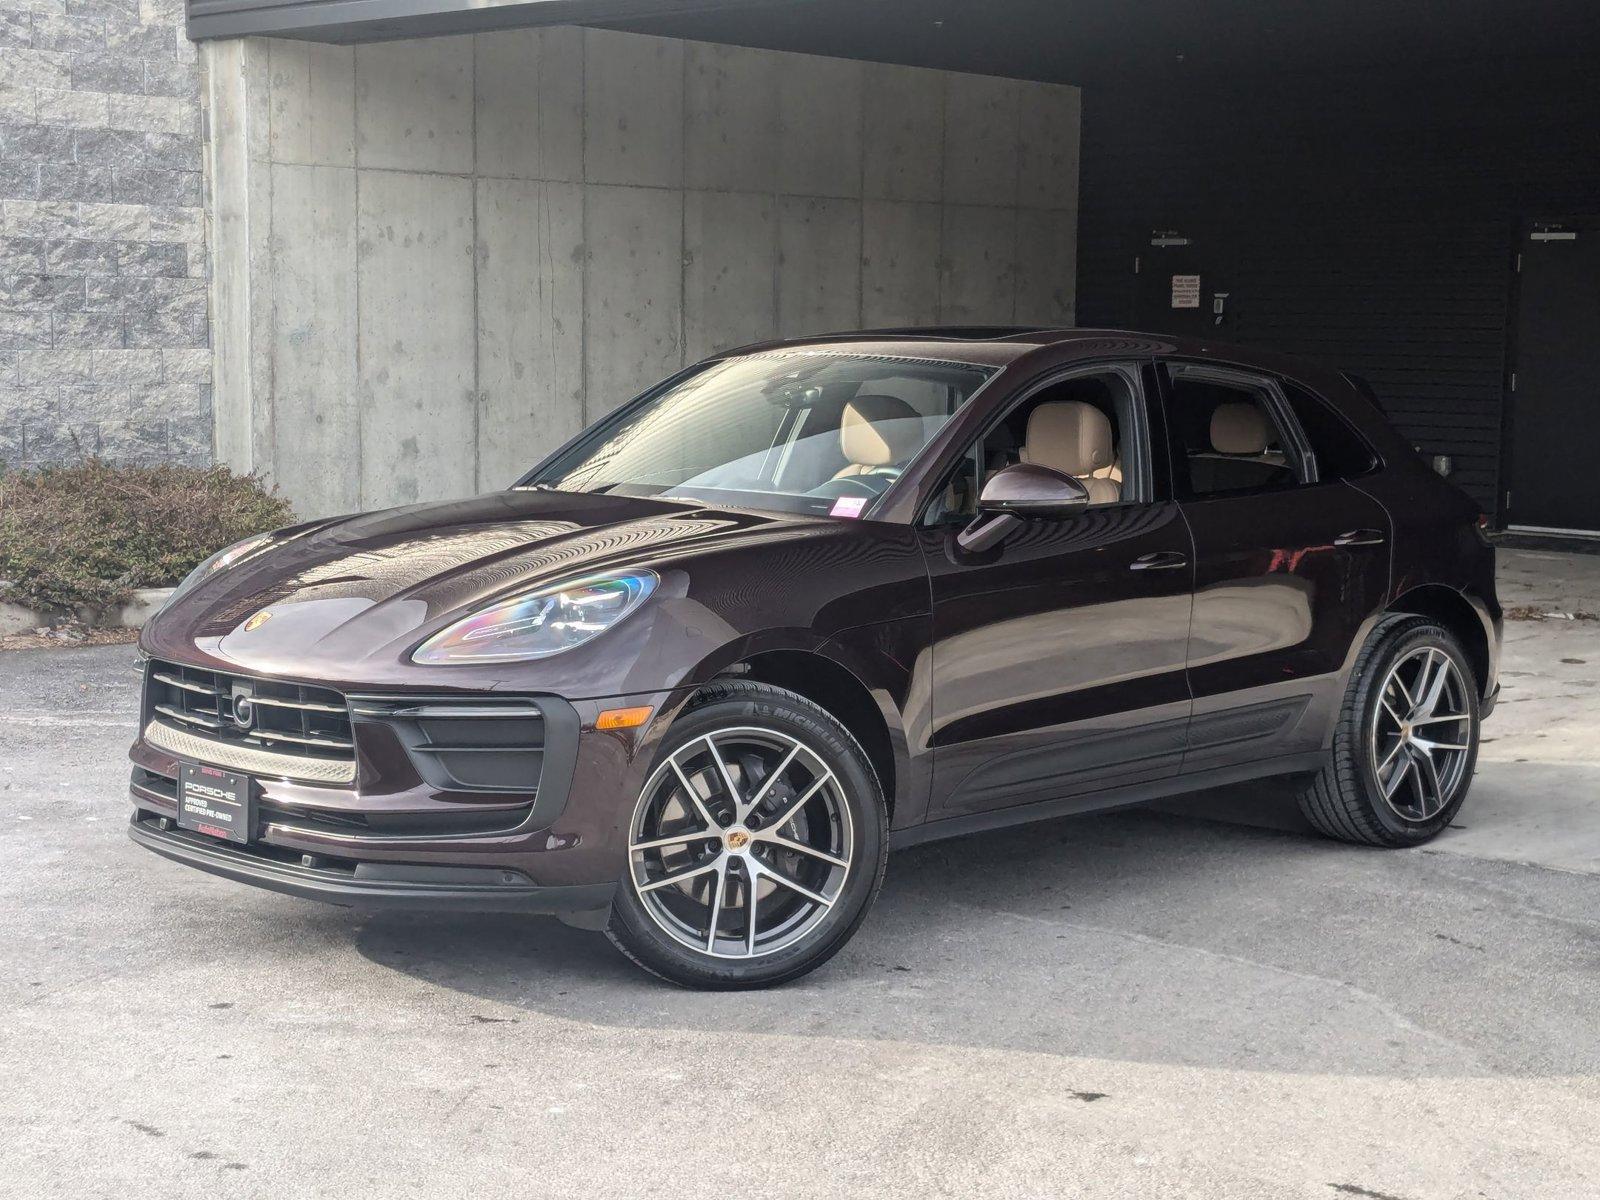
[(1092, 42)]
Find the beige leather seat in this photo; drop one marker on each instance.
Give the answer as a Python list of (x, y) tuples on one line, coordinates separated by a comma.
[(1074, 438), (876, 434), (1113, 472), (1239, 458), (1238, 429)]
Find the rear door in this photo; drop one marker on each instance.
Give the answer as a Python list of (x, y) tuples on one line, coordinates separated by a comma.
[(1288, 564)]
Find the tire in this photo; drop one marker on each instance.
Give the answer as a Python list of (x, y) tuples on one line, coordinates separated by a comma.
[(1376, 790), (817, 832)]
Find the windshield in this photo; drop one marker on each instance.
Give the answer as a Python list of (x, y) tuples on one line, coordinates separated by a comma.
[(796, 431)]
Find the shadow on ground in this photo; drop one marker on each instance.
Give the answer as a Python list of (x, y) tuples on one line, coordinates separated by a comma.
[(1139, 936)]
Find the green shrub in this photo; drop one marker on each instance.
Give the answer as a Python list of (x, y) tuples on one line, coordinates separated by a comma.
[(90, 533)]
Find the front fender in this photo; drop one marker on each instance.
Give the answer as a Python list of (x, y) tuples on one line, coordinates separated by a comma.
[(886, 661)]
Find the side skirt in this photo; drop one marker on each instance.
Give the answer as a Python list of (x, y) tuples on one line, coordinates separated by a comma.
[(1103, 801)]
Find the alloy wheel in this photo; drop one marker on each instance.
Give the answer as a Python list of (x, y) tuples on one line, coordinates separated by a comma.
[(1421, 734), (741, 842)]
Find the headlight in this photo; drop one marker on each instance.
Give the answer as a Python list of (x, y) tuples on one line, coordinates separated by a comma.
[(221, 560), (541, 623)]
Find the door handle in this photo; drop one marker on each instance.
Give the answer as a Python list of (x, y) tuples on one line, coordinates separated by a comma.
[(1359, 537), (1165, 560)]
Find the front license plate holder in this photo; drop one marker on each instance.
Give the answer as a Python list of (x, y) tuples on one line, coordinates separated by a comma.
[(215, 802)]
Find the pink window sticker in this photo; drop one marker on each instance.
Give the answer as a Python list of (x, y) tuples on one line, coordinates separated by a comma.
[(848, 506)]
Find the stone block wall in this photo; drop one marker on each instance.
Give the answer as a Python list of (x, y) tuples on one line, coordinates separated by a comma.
[(104, 337)]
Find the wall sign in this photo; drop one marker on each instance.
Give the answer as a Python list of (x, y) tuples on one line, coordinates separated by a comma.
[(1186, 291)]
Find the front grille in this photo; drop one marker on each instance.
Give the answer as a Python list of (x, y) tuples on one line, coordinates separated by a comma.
[(287, 718)]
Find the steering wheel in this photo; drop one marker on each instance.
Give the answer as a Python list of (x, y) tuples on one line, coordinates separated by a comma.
[(871, 486)]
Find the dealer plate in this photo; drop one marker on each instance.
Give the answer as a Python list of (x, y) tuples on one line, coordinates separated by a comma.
[(215, 802)]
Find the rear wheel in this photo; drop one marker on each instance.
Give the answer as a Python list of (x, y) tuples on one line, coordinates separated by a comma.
[(1407, 741), (755, 847)]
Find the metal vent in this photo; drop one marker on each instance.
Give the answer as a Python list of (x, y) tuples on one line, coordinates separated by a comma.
[(482, 744), (248, 757)]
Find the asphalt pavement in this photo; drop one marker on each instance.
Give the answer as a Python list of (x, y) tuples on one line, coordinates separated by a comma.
[(1145, 1004)]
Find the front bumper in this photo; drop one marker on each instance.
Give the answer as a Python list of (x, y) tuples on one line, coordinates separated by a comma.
[(413, 823), (366, 884)]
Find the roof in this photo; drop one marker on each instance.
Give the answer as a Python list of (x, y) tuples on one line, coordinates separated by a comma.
[(1000, 345)]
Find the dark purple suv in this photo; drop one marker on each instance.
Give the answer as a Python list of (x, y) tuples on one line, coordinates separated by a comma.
[(696, 674)]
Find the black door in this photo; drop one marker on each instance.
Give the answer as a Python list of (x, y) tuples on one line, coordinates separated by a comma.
[(1555, 405), (1058, 657), (1287, 567)]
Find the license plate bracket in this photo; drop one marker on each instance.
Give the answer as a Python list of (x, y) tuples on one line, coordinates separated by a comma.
[(217, 803)]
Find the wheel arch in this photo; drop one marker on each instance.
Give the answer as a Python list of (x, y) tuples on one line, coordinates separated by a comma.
[(1457, 614), (837, 689)]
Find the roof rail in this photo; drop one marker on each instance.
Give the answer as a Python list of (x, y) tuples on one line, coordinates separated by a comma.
[(954, 333)]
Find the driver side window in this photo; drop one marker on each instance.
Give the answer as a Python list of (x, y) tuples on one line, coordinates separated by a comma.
[(1080, 426)]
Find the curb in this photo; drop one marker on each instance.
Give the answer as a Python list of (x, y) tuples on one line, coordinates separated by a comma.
[(15, 618)]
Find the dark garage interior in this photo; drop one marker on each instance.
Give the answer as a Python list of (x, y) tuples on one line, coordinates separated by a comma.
[(1379, 220), (1403, 191)]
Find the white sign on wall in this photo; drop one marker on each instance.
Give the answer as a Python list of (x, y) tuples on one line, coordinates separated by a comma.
[(1186, 291)]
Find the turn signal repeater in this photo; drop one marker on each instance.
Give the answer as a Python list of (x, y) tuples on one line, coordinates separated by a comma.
[(623, 718)]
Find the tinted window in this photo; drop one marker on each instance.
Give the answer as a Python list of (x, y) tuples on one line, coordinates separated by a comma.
[(1340, 451), (1228, 441)]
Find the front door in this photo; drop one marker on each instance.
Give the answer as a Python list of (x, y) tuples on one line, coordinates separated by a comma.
[(1288, 563), (1552, 483), (1058, 656)]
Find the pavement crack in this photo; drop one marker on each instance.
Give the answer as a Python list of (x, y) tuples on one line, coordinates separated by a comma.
[(1355, 1189)]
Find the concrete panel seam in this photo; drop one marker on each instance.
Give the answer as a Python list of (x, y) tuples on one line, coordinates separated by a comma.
[(477, 323)]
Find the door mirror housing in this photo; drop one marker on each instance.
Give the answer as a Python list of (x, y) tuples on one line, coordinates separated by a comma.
[(1031, 490), (1022, 491)]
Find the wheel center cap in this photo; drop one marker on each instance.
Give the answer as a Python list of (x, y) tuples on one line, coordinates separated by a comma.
[(736, 840)]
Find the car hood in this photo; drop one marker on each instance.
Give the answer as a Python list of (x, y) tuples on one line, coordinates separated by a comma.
[(350, 597)]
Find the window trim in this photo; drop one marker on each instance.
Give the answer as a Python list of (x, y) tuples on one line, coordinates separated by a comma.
[(1332, 410), (1269, 390), (1140, 417)]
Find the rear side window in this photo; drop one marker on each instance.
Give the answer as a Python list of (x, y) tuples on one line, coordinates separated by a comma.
[(1341, 452), (1228, 440)]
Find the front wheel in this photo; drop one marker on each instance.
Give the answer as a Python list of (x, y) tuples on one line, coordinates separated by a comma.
[(1407, 740), (755, 847)]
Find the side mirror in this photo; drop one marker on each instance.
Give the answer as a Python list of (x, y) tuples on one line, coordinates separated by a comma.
[(1018, 492)]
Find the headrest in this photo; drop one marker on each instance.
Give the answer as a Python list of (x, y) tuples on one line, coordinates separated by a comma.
[(1070, 436), (1238, 428), (876, 431)]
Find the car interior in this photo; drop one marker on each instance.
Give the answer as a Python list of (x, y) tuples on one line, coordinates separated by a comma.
[(860, 444), (1075, 426), (1231, 442)]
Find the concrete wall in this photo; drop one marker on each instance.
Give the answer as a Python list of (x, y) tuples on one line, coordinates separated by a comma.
[(437, 259), (104, 344)]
